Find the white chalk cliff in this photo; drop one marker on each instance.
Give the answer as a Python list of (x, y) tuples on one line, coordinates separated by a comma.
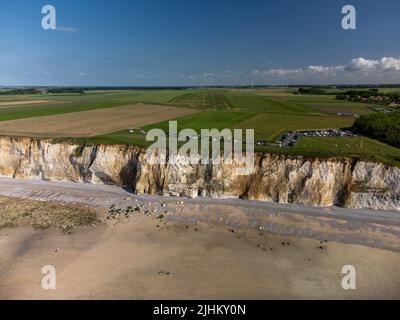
[(336, 181)]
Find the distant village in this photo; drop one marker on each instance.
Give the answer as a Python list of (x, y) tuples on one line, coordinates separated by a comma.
[(390, 102)]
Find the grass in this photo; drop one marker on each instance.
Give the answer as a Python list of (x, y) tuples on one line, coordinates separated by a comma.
[(318, 103), (356, 147), (257, 103), (203, 120), (271, 126), (53, 109), (323, 147), (203, 100), (333, 106), (269, 111), (66, 103), (206, 120), (119, 137)]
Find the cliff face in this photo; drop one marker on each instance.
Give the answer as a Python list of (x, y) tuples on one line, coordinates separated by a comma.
[(326, 182)]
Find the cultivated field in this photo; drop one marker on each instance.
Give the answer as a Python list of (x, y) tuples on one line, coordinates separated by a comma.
[(90, 123), (67, 103), (22, 102), (205, 100), (258, 103), (105, 116), (208, 120), (331, 106)]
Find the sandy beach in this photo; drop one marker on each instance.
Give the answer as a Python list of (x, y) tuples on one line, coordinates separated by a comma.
[(190, 249), (146, 259)]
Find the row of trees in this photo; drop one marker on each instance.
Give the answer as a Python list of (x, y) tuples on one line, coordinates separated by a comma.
[(36, 91), (358, 94), (381, 126), (66, 90), (311, 90), (19, 91)]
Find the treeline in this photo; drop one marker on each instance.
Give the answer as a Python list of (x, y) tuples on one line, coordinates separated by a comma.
[(19, 91), (311, 90), (66, 90), (39, 91), (367, 86), (145, 88), (384, 127), (357, 94), (370, 96)]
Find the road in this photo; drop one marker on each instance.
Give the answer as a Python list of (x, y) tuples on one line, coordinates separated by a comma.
[(289, 138)]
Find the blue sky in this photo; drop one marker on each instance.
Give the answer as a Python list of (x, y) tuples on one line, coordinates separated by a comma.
[(207, 42)]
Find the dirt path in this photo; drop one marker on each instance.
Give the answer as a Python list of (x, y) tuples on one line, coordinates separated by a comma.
[(22, 102)]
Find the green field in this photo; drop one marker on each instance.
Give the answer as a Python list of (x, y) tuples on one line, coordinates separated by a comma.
[(359, 147), (207, 120), (53, 109), (271, 126), (256, 103), (203, 120), (203, 100), (269, 111), (66, 103), (332, 106)]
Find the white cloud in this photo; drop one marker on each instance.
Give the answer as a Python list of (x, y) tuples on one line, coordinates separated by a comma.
[(361, 64), (325, 69), (282, 72), (390, 63), (358, 70), (386, 63)]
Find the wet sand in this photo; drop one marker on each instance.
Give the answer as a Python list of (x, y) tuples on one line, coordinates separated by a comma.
[(373, 228), (199, 249), (143, 258)]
